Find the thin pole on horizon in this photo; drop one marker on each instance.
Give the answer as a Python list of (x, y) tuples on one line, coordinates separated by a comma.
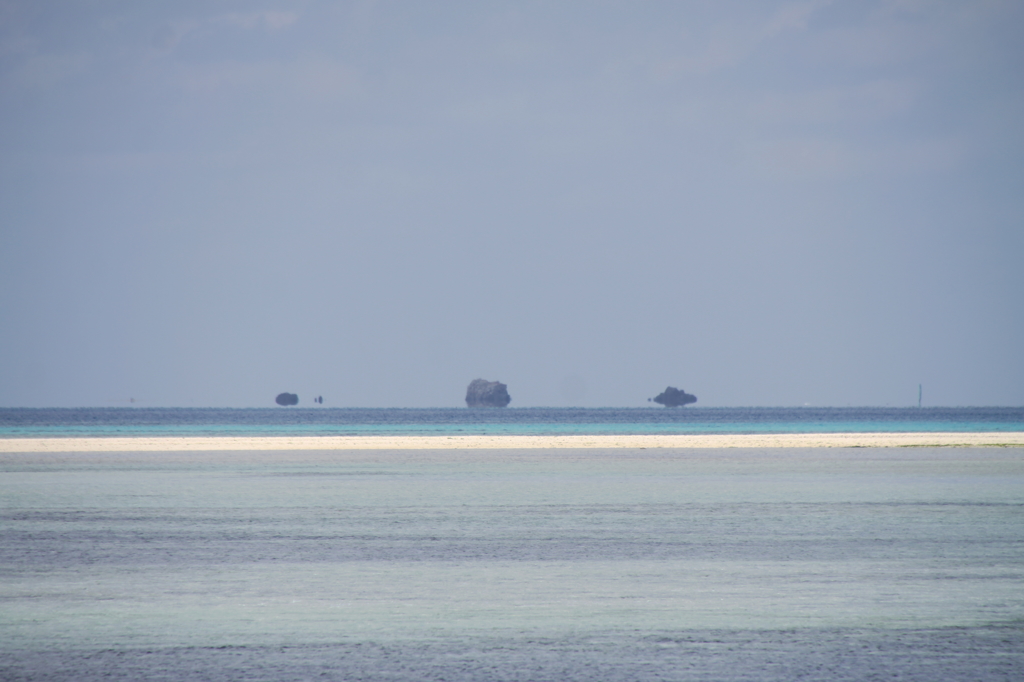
[(919, 396)]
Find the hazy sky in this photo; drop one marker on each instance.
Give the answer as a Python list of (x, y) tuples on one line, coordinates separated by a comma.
[(763, 203)]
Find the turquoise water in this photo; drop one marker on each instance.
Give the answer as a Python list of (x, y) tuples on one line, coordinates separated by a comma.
[(529, 421)]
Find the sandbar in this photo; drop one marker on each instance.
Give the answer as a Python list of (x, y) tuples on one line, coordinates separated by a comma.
[(1013, 439)]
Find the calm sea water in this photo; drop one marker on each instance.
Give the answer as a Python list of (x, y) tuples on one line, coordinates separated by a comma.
[(776, 564), (351, 421)]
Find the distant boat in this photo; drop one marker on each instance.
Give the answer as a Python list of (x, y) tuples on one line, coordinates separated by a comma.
[(673, 397)]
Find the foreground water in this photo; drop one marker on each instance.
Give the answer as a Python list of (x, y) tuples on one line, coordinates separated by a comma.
[(50, 422), (840, 564)]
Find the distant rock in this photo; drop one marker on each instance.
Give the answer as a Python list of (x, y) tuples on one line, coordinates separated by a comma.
[(483, 393), (286, 399), (673, 397)]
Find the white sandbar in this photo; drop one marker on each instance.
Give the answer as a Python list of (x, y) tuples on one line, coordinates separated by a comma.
[(504, 442)]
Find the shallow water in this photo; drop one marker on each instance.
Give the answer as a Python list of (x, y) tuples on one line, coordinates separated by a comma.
[(514, 565)]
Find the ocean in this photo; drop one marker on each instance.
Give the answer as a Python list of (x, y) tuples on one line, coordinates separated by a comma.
[(559, 564)]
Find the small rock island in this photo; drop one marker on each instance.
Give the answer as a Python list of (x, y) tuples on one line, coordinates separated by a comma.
[(483, 393), (286, 399), (673, 397)]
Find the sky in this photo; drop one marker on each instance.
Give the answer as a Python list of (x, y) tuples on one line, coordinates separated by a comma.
[(762, 203)]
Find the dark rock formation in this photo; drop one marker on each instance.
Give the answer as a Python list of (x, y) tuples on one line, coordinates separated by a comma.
[(483, 393), (673, 397), (285, 399)]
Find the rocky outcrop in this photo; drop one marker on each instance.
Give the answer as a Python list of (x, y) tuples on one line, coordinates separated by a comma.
[(286, 399), (673, 397), (483, 393)]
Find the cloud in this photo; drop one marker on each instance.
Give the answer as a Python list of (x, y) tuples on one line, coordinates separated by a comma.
[(510, 107), (864, 103), (899, 32), (229, 75), (311, 78), (729, 44), (325, 78), (269, 20), (170, 34), (803, 158), (48, 70), (791, 17)]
